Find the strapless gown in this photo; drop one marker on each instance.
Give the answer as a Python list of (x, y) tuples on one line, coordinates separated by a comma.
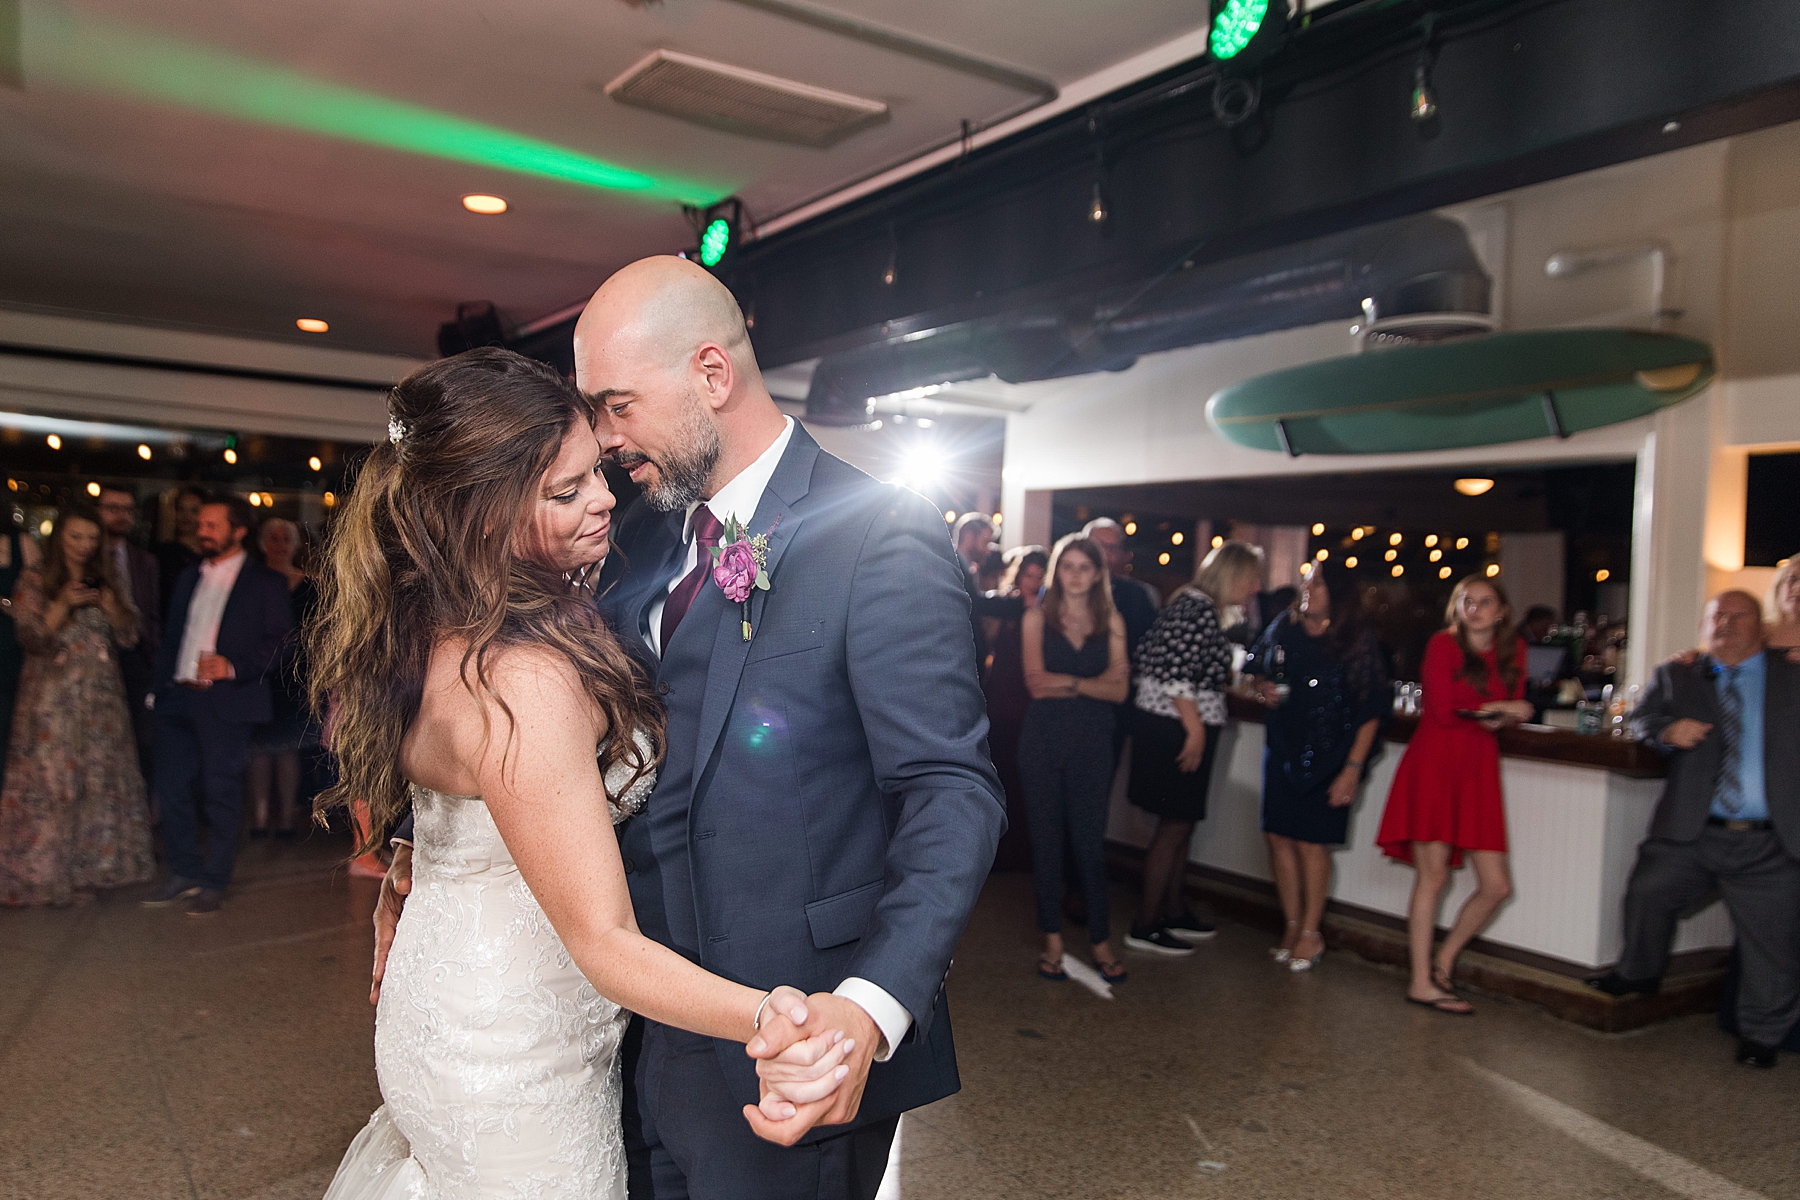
[(498, 1061)]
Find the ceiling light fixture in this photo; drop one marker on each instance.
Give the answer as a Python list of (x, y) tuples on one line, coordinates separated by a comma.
[(1474, 487), (312, 325), (486, 205)]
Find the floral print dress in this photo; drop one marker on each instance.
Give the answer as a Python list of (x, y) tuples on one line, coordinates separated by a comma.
[(72, 815)]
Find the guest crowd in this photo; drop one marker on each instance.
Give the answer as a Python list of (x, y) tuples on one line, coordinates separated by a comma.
[(153, 700), (1081, 657), (142, 691)]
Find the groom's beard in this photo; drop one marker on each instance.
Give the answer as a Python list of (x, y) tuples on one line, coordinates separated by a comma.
[(683, 473)]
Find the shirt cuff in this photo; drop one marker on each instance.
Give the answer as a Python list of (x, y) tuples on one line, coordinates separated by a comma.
[(889, 1015)]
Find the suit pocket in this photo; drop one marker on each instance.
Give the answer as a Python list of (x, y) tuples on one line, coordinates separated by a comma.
[(842, 918), (780, 639)]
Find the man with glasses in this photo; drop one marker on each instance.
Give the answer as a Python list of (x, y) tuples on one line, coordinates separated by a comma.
[(1728, 822), (138, 572)]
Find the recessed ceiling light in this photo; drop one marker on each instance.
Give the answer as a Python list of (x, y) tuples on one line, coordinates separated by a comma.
[(487, 206), (1474, 487), (312, 325)]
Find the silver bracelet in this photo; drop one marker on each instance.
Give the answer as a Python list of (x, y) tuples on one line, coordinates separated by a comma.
[(756, 1025)]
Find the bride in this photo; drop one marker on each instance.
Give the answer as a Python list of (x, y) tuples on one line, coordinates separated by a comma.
[(474, 681)]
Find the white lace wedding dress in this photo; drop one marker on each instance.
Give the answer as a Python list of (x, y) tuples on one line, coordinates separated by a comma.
[(498, 1061)]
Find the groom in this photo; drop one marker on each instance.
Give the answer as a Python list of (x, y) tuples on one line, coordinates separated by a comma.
[(828, 810)]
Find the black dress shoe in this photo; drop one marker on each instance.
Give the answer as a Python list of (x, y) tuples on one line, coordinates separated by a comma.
[(1615, 984), (1755, 1054)]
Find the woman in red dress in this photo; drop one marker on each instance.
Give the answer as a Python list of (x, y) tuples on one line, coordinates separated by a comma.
[(1446, 801)]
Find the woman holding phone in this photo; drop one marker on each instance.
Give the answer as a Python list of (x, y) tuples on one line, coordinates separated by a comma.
[(1446, 801), (72, 813)]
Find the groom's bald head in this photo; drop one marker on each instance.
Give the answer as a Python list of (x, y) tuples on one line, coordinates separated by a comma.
[(661, 311), (663, 351)]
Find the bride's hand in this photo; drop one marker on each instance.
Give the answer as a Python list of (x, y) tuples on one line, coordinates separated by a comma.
[(807, 1071)]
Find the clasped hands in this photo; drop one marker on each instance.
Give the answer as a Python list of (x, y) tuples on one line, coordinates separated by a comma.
[(812, 1057)]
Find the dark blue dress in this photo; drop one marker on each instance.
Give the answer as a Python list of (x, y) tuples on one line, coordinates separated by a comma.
[(1308, 737)]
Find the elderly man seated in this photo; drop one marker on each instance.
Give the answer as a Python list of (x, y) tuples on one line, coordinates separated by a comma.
[(1728, 822)]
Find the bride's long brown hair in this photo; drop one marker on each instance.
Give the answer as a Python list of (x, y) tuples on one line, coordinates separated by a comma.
[(430, 546)]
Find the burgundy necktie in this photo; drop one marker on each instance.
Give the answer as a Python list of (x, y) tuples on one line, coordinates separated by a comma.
[(706, 532)]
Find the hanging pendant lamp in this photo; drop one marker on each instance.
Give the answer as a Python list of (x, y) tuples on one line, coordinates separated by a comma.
[(1507, 387)]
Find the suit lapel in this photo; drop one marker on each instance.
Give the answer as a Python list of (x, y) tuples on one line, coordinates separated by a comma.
[(776, 515)]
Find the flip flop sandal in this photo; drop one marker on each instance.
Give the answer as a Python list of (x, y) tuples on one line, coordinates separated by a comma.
[(1438, 1005), (1052, 972), (1113, 972)]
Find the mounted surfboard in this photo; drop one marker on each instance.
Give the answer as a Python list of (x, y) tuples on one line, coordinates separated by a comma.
[(1505, 387)]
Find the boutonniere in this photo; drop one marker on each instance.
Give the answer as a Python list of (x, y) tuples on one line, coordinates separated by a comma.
[(740, 565)]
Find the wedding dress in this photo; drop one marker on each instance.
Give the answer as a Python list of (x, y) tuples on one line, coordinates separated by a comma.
[(498, 1061)]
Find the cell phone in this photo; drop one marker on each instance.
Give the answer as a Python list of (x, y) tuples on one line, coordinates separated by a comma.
[(1474, 714)]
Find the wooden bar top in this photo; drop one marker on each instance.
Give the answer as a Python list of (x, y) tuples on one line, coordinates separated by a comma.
[(1621, 755)]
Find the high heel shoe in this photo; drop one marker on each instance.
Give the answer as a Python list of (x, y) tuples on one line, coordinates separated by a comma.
[(1296, 963), (1282, 954)]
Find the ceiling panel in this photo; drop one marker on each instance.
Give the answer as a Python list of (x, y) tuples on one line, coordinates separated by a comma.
[(236, 165)]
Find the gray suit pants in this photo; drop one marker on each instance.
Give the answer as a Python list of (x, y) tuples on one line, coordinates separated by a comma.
[(1761, 887)]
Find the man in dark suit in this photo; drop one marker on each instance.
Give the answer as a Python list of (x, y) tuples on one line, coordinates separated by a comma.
[(228, 618), (1728, 821), (136, 568), (827, 811), (973, 537)]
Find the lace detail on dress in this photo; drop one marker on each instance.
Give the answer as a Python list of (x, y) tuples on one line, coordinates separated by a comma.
[(498, 1061)]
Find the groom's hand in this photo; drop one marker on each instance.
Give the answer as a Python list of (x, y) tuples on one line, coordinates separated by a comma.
[(825, 1011), (395, 886)]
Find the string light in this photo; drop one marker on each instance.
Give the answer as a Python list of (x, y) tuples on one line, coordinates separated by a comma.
[(1322, 555), (1131, 529), (1602, 575), (1217, 541), (329, 499), (1431, 539), (1443, 572), (143, 451), (1436, 554), (255, 500), (1394, 539), (1163, 558), (1493, 570), (999, 520), (315, 464), (54, 442), (1356, 534), (1398, 571), (93, 489), (949, 516), (1351, 562), (231, 456), (1462, 543), (1318, 528), (1391, 555), (1175, 539)]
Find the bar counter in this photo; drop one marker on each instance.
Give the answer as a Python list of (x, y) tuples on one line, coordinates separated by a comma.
[(1577, 806)]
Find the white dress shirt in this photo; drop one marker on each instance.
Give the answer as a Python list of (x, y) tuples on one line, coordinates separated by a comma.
[(740, 499), (205, 610)]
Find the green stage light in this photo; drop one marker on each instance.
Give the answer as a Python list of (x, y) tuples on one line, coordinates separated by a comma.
[(715, 242), (1235, 26), (62, 46)]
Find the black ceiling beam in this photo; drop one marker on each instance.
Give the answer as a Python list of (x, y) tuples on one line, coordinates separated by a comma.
[(1528, 91)]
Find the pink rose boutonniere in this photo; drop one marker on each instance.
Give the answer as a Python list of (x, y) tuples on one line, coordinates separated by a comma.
[(740, 566)]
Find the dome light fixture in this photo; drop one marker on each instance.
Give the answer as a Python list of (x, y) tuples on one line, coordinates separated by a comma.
[(484, 204), (1474, 487)]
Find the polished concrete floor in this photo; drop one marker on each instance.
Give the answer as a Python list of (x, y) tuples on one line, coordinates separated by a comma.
[(147, 1054)]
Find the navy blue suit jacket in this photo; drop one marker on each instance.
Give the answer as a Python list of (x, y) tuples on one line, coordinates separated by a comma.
[(828, 807), (258, 616)]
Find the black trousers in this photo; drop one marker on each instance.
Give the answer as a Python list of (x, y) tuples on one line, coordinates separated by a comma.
[(201, 764), (688, 1137), (1761, 887)]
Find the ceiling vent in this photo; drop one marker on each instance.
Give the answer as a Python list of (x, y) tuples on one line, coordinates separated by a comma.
[(742, 101)]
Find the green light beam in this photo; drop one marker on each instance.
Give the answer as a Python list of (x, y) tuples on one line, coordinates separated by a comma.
[(81, 52)]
